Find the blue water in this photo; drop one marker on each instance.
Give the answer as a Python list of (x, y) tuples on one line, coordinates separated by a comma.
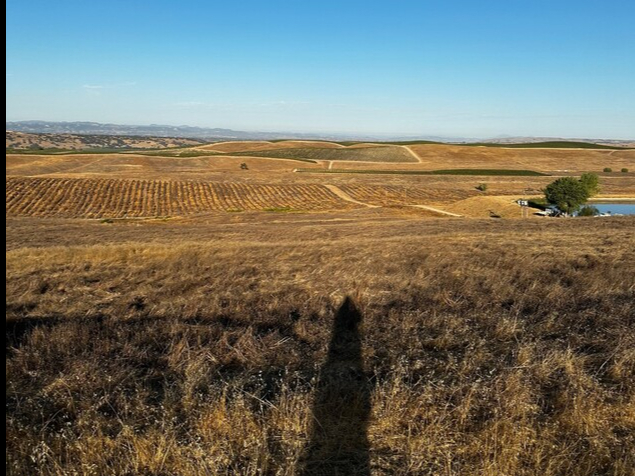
[(622, 208)]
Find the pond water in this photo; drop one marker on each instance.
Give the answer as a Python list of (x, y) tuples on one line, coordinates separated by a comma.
[(622, 208)]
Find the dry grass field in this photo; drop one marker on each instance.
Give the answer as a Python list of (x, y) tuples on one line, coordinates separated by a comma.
[(436, 156), (127, 166), (468, 347), (183, 316), (542, 160)]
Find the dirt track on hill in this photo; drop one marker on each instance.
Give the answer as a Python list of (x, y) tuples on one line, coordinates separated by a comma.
[(345, 196)]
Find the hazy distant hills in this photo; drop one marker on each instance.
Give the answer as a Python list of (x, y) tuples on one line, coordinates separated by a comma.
[(533, 140), (152, 130), (218, 134), (37, 141)]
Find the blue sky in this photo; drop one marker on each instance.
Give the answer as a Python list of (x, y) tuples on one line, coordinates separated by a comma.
[(452, 68)]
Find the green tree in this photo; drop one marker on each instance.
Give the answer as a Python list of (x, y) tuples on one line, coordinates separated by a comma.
[(591, 182), (588, 211), (567, 193)]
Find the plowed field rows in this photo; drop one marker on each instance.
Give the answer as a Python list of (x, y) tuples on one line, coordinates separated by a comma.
[(392, 154), (396, 195), (111, 198)]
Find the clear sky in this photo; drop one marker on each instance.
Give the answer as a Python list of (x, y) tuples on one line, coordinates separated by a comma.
[(479, 68)]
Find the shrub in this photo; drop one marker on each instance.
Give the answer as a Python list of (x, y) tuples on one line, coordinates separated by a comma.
[(539, 203), (482, 187), (591, 182), (588, 211), (607, 169), (624, 170)]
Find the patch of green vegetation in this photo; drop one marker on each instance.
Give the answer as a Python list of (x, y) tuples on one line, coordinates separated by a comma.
[(547, 145), (185, 154), (588, 211), (267, 155), (503, 172), (473, 172), (36, 151), (276, 141), (539, 203), (591, 183), (413, 142), (568, 194), (345, 143), (363, 154)]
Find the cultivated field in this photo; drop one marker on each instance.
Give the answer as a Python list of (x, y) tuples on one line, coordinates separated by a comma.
[(188, 315), (146, 166), (388, 154), (241, 146), (102, 198), (398, 195), (273, 165)]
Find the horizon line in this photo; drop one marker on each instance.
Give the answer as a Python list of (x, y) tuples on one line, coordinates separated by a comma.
[(364, 135)]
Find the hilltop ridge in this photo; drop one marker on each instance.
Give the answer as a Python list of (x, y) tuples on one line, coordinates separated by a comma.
[(215, 134)]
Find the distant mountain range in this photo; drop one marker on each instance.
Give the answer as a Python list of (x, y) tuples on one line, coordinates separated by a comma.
[(153, 130), (218, 134), (37, 141)]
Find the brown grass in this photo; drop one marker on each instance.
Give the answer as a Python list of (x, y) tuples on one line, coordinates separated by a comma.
[(481, 348), (488, 206), (140, 166), (544, 160)]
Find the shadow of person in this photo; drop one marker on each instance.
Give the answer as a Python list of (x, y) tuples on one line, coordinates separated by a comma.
[(338, 443)]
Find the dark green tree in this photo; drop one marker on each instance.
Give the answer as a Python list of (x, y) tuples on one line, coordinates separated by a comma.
[(591, 182), (588, 211), (567, 193)]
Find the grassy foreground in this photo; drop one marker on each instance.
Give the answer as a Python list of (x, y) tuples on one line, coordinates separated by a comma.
[(480, 349)]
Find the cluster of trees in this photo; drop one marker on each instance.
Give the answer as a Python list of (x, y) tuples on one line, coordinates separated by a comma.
[(570, 194)]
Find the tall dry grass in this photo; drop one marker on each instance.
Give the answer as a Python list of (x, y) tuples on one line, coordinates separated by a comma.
[(502, 351)]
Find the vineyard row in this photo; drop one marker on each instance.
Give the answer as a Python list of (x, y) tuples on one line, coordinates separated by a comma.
[(112, 198)]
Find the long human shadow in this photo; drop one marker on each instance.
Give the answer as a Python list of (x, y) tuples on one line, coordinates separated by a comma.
[(338, 443)]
